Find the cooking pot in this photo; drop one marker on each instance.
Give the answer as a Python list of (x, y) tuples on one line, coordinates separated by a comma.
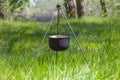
[(59, 42)]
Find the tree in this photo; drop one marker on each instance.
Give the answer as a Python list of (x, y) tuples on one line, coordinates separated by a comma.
[(1, 8), (70, 8), (1, 14), (80, 11), (15, 4), (11, 6), (103, 7)]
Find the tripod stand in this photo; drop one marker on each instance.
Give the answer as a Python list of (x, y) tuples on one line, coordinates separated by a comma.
[(59, 9)]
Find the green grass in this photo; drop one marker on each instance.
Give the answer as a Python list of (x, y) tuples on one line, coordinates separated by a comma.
[(98, 36)]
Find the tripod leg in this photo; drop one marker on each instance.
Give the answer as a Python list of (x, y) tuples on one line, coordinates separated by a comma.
[(47, 31), (56, 56), (45, 35), (74, 35)]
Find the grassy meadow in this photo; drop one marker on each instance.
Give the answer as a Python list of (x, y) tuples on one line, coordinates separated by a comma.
[(23, 58)]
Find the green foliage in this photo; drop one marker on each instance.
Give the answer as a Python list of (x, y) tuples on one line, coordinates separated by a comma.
[(99, 37), (15, 4), (7, 7), (112, 7)]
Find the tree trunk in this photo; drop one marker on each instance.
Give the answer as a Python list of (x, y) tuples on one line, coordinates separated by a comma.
[(1, 8), (1, 14), (80, 11), (103, 7), (66, 7), (70, 8)]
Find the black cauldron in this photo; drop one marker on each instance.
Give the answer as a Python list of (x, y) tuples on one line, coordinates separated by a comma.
[(59, 42)]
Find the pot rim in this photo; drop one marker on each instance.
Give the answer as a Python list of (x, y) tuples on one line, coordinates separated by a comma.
[(58, 36)]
